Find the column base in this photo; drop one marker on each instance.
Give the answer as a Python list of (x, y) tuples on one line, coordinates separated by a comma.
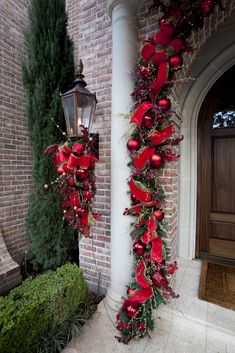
[(113, 300)]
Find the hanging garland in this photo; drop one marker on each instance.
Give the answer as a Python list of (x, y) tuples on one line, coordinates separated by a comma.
[(153, 143), (75, 165)]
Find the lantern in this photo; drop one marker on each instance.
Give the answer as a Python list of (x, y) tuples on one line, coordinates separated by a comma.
[(79, 105)]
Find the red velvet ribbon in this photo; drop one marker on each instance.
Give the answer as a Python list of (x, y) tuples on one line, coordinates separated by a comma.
[(144, 196), (140, 275), (165, 47), (85, 161), (78, 148), (143, 157), (66, 149), (160, 81), (68, 170), (156, 251), (138, 298), (73, 161), (159, 136), (164, 35), (149, 237), (175, 46), (147, 51), (137, 209), (138, 116), (60, 158)]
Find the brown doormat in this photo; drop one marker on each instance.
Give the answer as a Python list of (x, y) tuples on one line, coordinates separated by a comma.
[(217, 284)]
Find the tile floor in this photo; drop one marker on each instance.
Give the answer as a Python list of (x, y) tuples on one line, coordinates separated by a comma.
[(186, 325)]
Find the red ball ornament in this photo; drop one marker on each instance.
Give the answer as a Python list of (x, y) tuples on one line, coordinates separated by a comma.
[(139, 248), (164, 103), (159, 215), (130, 291), (156, 160), (83, 174), (133, 144), (158, 279), (175, 61), (147, 121), (207, 6), (134, 199), (144, 72), (131, 310)]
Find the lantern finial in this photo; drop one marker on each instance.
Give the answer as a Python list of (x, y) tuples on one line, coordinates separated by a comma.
[(78, 75), (79, 68)]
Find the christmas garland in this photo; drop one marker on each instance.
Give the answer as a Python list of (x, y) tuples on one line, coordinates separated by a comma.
[(75, 165), (153, 143)]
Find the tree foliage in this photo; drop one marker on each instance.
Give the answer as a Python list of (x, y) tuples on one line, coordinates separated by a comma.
[(48, 70)]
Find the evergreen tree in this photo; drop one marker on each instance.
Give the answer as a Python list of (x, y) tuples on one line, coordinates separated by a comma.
[(48, 71)]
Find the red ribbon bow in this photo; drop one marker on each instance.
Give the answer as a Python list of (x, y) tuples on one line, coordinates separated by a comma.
[(160, 52)]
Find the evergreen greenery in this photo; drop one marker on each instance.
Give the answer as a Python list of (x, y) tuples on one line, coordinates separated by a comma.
[(48, 71), (42, 314)]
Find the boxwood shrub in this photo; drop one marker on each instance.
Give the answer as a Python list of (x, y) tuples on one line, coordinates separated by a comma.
[(26, 312)]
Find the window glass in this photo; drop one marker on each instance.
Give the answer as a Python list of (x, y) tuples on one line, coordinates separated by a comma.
[(224, 119)]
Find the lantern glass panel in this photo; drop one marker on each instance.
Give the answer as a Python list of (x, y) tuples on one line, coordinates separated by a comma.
[(68, 105), (85, 110)]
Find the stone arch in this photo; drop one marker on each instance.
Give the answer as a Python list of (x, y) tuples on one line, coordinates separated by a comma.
[(216, 57)]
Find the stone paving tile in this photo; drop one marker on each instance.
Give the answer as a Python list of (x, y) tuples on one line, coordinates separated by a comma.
[(187, 325)]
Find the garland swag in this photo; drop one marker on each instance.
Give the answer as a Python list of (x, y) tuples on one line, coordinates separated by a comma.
[(75, 167), (152, 143)]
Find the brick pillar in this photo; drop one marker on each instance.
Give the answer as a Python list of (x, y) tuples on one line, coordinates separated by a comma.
[(9, 270)]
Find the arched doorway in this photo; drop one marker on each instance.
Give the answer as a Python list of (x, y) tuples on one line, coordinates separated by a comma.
[(216, 172), (215, 59)]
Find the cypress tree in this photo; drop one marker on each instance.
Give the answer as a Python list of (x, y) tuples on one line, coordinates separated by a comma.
[(48, 71)]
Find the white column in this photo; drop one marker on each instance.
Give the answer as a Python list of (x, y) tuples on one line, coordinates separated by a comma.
[(124, 58)]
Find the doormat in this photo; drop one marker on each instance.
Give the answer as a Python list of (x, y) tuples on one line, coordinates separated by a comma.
[(217, 284)]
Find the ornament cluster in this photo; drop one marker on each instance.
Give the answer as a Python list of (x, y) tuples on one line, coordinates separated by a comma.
[(75, 165), (153, 143)]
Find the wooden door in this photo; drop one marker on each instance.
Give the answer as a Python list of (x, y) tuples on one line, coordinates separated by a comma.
[(216, 172)]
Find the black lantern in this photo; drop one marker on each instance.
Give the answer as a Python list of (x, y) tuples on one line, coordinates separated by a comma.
[(79, 105)]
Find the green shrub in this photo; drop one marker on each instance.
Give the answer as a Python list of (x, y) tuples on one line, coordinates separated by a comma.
[(30, 309)]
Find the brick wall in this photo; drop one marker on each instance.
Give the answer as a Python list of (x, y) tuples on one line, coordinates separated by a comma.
[(15, 156), (90, 28)]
